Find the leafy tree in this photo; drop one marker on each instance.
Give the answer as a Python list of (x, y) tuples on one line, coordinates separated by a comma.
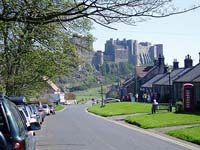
[(28, 56)]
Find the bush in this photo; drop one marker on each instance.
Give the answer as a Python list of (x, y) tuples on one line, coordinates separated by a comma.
[(179, 106), (70, 96)]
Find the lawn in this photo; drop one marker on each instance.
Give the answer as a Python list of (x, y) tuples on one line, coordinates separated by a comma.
[(59, 107), (120, 108), (88, 94), (163, 120), (188, 134)]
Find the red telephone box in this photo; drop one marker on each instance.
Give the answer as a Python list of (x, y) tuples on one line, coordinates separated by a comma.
[(188, 97)]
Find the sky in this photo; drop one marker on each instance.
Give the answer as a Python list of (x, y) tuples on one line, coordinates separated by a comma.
[(179, 34)]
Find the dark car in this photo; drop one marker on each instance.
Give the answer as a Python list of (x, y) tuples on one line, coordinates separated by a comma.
[(13, 127)]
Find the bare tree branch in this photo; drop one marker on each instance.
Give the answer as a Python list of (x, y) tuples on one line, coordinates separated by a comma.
[(103, 12)]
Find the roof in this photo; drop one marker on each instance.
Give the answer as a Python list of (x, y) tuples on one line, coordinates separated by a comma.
[(53, 86), (18, 100), (149, 83), (143, 70), (173, 76), (197, 79), (191, 75)]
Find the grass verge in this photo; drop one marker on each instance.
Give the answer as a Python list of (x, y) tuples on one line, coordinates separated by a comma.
[(59, 107), (121, 108), (189, 134), (163, 120), (85, 95)]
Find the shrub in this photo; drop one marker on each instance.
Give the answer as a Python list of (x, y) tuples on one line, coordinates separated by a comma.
[(70, 96), (179, 106)]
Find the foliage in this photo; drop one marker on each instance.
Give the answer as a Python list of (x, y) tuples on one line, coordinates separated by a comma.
[(121, 108), (119, 69), (164, 120), (88, 94), (59, 107), (28, 56), (189, 134), (179, 106), (114, 94), (70, 96)]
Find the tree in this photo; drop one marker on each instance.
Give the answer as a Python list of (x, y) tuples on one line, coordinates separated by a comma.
[(103, 12), (28, 56)]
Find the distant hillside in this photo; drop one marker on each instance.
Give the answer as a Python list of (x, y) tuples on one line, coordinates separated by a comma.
[(88, 76)]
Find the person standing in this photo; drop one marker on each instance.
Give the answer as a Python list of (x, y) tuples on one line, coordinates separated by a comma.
[(136, 97)]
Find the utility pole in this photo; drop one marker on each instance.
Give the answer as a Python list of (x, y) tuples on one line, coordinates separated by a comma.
[(136, 91), (170, 93), (102, 101), (101, 84)]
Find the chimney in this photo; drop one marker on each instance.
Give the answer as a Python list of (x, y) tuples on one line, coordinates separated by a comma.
[(161, 60), (199, 57), (175, 64), (188, 62)]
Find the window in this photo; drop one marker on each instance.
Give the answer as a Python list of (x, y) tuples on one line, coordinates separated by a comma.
[(3, 124)]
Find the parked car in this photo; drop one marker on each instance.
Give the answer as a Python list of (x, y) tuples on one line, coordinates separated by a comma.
[(46, 109), (110, 99), (52, 109), (15, 135), (31, 112), (35, 113), (3, 143), (27, 120)]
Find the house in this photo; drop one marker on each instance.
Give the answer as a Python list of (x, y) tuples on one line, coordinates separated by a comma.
[(142, 75), (128, 87), (54, 93), (192, 77), (161, 84), (147, 87)]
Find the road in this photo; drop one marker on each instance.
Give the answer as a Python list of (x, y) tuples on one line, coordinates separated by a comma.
[(75, 129)]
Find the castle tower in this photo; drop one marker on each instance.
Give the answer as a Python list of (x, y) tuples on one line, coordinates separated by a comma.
[(100, 58)]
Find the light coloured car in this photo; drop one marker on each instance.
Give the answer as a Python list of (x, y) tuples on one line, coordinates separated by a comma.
[(46, 108), (34, 113), (110, 99)]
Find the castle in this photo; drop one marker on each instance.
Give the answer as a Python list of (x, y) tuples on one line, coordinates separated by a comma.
[(131, 51)]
